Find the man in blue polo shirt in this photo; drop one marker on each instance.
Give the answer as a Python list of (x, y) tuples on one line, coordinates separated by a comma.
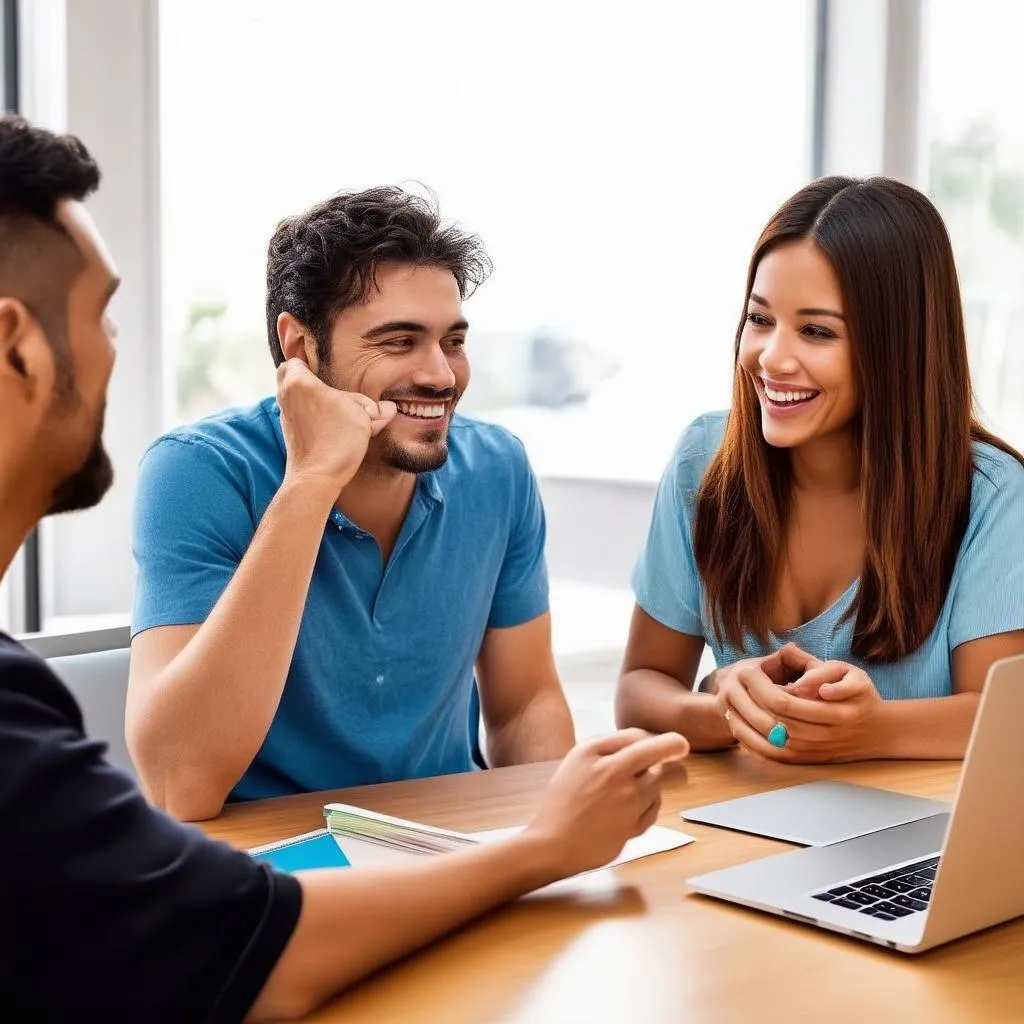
[(112, 911), (324, 577)]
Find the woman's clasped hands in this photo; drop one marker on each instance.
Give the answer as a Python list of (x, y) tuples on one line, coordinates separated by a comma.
[(795, 708)]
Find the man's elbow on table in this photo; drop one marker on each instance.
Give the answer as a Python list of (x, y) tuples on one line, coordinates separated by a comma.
[(194, 802), (188, 794)]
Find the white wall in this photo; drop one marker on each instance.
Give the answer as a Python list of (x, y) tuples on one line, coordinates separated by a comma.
[(595, 528)]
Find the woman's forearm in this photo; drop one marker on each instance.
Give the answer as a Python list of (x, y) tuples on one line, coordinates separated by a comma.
[(658, 702), (929, 728)]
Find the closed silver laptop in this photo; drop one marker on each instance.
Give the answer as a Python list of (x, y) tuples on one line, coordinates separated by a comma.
[(916, 885)]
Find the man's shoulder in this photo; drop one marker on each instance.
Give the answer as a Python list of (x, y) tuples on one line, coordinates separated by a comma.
[(17, 661), (485, 446), (242, 431), (487, 468), (30, 690)]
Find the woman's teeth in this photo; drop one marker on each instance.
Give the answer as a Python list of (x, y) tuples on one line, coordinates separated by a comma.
[(788, 396)]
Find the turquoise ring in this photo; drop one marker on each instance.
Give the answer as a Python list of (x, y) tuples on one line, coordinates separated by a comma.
[(778, 736)]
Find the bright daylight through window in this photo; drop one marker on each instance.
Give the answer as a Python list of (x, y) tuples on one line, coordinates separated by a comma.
[(974, 85), (618, 159)]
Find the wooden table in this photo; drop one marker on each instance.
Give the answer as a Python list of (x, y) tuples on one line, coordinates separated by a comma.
[(633, 944)]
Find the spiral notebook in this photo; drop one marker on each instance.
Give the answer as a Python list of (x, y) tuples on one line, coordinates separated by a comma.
[(311, 850)]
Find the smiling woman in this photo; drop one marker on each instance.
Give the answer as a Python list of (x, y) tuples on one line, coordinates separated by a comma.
[(798, 356), (850, 505)]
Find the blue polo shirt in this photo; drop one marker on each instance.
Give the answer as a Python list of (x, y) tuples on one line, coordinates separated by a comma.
[(985, 596), (381, 684)]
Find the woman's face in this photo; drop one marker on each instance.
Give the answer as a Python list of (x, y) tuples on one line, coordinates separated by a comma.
[(796, 348)]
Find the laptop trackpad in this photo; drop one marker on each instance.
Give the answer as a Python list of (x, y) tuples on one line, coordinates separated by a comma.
[(817, 813)]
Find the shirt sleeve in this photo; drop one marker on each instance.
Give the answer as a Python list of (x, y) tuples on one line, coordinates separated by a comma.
[(119, 912), (521, 593), (665, 580), (988, 590), (192, 524)]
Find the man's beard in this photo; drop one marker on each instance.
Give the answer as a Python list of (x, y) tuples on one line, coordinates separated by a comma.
[(413, 460), (431, 453), (89, 482)]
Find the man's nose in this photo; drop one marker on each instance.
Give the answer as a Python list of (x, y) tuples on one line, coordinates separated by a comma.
[(433, 370)]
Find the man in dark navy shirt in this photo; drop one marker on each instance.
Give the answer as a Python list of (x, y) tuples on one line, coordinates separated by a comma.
[(112, 911), (109, 909)]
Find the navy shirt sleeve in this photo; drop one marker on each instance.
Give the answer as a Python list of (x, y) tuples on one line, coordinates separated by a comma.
[(112, 910)]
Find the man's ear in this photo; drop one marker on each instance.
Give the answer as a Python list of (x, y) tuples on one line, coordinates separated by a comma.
[(27, 369), (297, 341)]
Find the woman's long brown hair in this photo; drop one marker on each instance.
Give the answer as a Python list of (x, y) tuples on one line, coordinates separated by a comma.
[(890, 251)]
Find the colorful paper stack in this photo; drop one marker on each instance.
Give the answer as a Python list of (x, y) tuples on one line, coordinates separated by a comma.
[(345, 822)]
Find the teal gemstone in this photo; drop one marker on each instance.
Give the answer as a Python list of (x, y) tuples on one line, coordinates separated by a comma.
[(778, 735)]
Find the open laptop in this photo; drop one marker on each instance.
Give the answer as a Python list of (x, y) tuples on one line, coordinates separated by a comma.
[(916, 885)]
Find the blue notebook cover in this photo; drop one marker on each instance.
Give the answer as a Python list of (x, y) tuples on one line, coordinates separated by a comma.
[(302, 853)]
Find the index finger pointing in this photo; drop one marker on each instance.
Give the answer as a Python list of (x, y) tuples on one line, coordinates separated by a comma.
[(616, 741), (646, 753)]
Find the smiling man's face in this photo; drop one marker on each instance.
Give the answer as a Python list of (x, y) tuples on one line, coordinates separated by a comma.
[(405, 343)]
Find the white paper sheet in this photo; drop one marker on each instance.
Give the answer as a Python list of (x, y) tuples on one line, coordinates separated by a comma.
[(655, 840), (360, 853)]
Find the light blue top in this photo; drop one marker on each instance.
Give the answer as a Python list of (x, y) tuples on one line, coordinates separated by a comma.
[(381, 684), (986, 595)]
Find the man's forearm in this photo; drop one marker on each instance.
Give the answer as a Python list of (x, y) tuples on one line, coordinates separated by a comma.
[(354, 922), (203, 719), (542, 731), (929, 728)]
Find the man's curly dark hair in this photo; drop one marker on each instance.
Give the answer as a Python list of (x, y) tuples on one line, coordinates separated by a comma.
[(38, 257), (324, 260)]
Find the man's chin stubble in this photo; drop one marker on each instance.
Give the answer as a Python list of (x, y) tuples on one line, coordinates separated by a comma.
[(86, 487), (403, 460)]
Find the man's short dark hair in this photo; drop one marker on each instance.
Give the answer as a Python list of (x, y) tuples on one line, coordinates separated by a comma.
[(325, 260), (39, 168), (38, 258)]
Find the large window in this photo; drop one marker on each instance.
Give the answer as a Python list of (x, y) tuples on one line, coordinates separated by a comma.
[(618, 158), (975, 173)]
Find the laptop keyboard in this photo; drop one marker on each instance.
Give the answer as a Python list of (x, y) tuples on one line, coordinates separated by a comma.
[(889, 895)]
